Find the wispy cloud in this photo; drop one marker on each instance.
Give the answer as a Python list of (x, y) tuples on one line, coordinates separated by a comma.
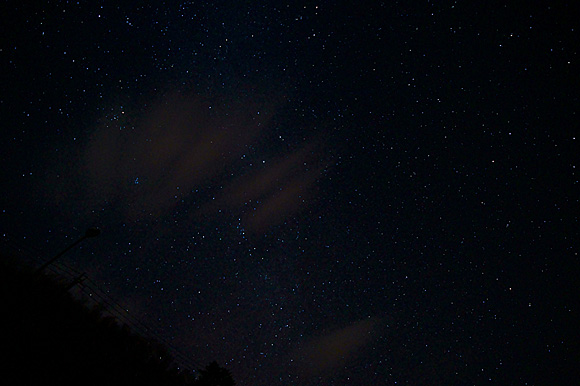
[(146, 161), (277, 190), (325, 353), (149, 160)]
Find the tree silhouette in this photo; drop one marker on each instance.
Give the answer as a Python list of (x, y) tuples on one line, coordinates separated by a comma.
[(215, 375), (49, 337)]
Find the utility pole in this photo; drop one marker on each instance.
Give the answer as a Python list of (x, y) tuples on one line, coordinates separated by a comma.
[(91, 232)]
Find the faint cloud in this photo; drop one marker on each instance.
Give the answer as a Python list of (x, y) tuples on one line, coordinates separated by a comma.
[(145, 161), (276, 190), (150, 160), (327, 352)]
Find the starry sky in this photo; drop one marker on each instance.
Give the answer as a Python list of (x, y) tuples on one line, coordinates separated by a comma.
[(309, 193)]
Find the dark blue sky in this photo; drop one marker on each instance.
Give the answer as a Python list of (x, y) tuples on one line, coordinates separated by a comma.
[(309, 193)]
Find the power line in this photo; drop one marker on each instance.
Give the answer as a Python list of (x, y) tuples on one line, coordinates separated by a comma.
[(120, 313), (92, 292)]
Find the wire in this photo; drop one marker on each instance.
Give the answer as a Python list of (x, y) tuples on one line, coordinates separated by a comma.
[(92, 292)]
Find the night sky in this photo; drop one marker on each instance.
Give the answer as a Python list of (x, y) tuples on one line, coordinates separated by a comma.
[(309, 193)]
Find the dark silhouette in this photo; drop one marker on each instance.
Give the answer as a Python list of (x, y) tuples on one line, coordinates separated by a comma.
[(214, 375), (49, 337)]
